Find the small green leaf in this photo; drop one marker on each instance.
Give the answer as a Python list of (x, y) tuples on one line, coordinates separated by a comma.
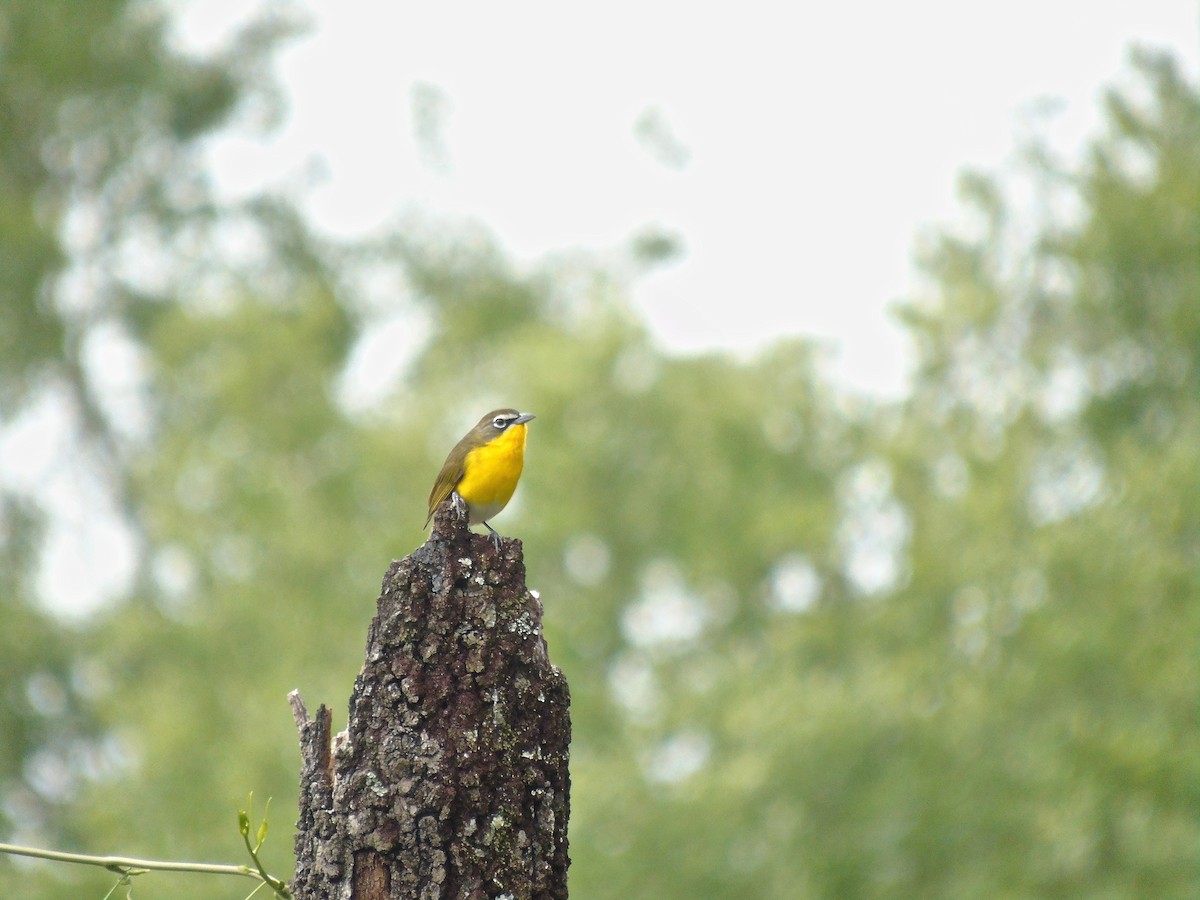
[(262, 832)]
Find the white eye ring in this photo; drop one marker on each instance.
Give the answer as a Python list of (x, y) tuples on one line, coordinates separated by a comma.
[(499, 422)]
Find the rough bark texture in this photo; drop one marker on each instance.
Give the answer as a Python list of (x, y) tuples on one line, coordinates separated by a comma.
[(451, 779)]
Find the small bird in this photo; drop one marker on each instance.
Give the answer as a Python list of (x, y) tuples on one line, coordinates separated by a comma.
[(483, 469)]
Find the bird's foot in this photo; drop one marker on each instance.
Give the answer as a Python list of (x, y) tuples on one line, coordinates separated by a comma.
[(495, 536)]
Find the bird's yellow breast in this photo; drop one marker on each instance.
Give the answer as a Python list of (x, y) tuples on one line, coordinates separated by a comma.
[(491, 473)]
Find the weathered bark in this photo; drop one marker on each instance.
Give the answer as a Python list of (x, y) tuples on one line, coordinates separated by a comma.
[(451, 780)]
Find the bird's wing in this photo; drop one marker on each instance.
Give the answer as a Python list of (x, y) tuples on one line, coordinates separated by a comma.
[(450, 475)]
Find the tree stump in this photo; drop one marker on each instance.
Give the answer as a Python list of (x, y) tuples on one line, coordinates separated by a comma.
[(451, 779)]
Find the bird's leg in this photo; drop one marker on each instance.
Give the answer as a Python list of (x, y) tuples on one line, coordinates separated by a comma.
[(495, 536), (459, 504)]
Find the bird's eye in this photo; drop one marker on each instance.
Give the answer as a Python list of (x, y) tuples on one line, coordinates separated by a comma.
[(500, 422)]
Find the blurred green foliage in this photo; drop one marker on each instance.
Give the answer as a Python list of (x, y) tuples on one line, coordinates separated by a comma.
[(817, 647)]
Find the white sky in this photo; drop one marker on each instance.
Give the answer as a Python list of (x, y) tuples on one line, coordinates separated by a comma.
[(821, 138)]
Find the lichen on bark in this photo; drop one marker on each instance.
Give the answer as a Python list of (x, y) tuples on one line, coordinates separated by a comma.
[(451, 779)]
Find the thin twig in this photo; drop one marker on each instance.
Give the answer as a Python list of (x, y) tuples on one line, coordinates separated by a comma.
[(129, 865)]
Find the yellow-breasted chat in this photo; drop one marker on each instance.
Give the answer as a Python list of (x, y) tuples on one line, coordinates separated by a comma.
[(482, 471)]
